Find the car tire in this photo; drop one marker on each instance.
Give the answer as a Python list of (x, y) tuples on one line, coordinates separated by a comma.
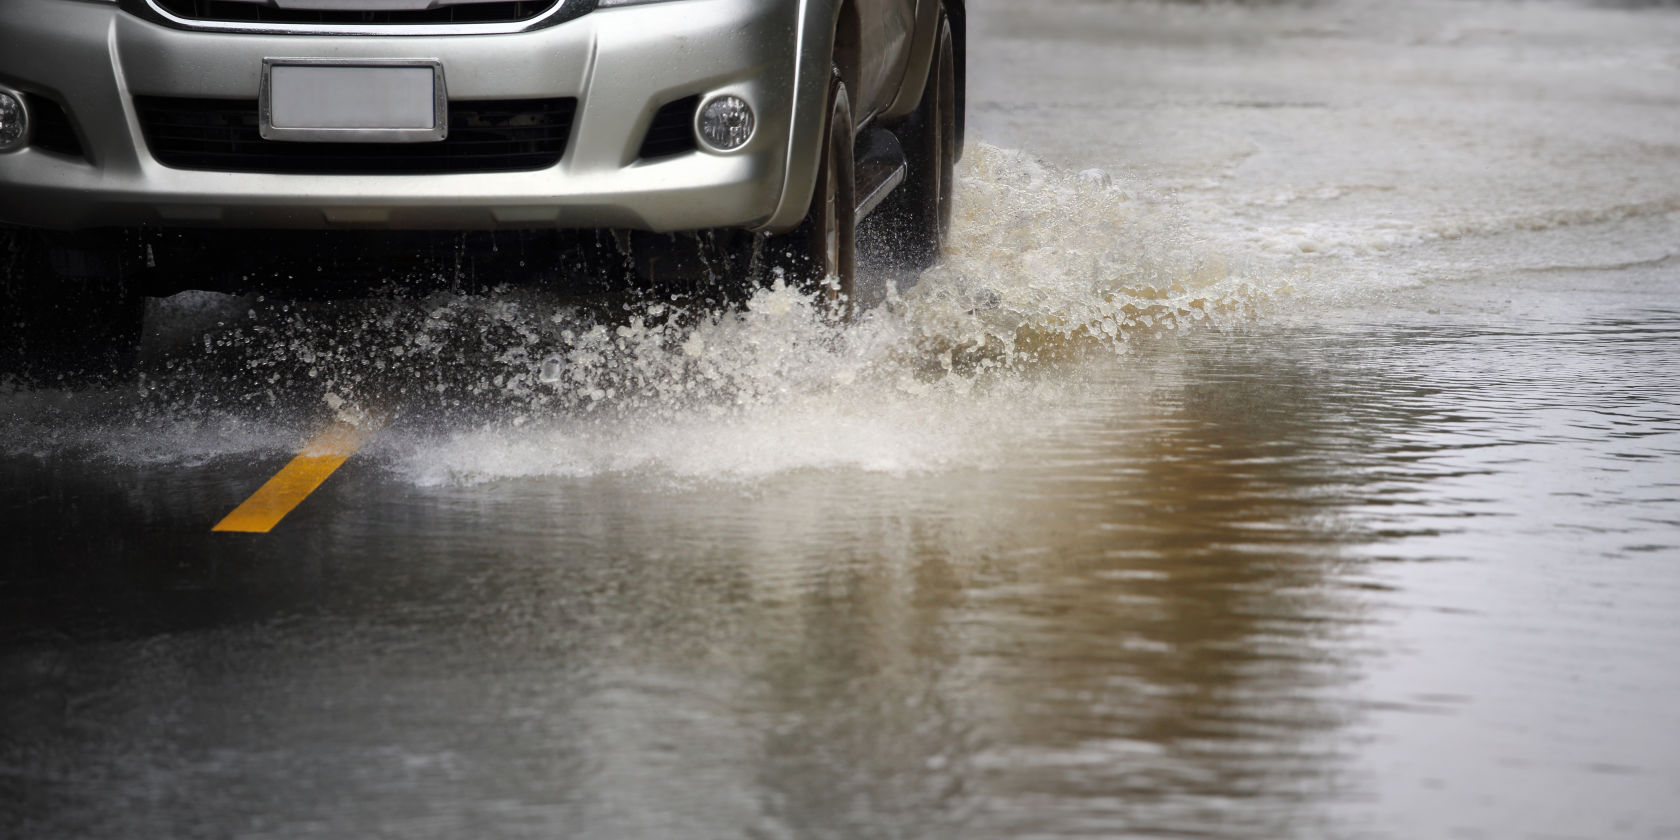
[(917, 216), (820, 256), (68, 315)]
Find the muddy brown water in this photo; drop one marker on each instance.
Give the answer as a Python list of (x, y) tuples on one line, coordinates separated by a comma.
[(1313, 470)]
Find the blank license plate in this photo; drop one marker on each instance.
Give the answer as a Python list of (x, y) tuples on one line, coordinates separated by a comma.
[(351, 103)]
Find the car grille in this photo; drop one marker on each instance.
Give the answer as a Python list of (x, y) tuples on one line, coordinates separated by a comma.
[(222, 135), (244, 11)]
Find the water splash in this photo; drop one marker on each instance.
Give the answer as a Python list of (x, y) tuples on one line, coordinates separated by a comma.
[(1045, 268), (1045, 262)]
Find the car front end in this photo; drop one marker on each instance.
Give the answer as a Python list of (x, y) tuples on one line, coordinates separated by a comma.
[(548, 114)]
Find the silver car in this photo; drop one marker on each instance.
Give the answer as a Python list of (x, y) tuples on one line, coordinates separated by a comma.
[(211, 127)]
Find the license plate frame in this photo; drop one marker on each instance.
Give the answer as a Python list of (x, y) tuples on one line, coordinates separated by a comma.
[(336, 100)]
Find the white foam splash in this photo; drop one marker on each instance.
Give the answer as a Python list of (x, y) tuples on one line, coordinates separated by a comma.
[(1045, 267)]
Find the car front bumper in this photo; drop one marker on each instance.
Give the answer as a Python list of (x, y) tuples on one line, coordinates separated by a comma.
[(621, 64)]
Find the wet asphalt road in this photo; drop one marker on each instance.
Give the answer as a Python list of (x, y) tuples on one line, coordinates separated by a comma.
[(1309, 472)]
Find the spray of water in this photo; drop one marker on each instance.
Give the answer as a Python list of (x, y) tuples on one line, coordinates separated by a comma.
[(1045, 268)]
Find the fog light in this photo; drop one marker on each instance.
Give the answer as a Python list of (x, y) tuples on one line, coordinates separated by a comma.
[(725, 123), (14, 121)]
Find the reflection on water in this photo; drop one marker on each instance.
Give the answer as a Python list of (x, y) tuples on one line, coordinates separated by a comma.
[(1169, 615), (1315, 477)]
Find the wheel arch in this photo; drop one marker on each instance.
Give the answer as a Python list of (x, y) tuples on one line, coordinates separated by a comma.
[(848, 41), (828, 36), (919, 64)]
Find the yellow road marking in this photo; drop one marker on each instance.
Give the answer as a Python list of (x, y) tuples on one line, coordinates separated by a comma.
[(295, 481)]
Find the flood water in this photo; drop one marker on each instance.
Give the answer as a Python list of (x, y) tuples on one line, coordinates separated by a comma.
[(1288, 446)]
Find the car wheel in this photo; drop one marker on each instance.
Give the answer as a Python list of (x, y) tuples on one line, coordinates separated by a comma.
[(69, 315), (917, 215), (820, 256)]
